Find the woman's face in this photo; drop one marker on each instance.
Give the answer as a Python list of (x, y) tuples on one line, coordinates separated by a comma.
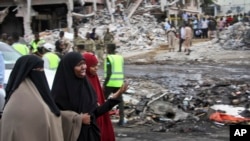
[(80, 69), (93, 69)]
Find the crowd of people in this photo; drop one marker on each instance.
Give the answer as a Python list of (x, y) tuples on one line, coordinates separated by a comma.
[(194, 27), (77, 106)]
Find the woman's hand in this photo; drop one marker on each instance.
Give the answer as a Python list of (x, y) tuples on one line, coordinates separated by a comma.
[(86, 118), (122, 90)]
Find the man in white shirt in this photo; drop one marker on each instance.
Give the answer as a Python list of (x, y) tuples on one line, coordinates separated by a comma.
[(182, 37), (204, 27), (185, 16)]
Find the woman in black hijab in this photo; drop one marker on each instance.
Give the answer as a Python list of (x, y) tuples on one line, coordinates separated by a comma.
[(72, 91), (30, 112)]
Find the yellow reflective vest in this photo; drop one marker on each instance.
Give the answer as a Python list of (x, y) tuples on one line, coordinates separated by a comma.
[(34, 45), (53, 59), (21, 48), (117, 72)]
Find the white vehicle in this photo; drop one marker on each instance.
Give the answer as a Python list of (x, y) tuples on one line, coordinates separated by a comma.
[(10, 57)]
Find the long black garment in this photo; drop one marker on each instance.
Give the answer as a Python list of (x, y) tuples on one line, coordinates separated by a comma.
[(76, 94)]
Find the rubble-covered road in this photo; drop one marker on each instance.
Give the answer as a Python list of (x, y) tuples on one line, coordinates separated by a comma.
[(181, 94)]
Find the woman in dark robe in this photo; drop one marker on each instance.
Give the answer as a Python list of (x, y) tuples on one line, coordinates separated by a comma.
[(30, 113), (72, 91), (104, 121)]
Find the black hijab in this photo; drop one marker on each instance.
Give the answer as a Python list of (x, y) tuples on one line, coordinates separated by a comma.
[(23, 69), (71, 92)]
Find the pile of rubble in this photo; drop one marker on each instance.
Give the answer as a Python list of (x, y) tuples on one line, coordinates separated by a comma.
[(141, 32), (235, 37), (153, 104)]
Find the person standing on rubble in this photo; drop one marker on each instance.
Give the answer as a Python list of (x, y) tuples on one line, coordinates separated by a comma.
[(60, 47), (89, 44), (188, 38), (93, 35), (80, 46), (19, 47), (99, 48), (66, 42), (77, 38), (107, 39), (114, 78)]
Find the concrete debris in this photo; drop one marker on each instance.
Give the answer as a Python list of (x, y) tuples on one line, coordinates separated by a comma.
[(235, 37), (168, 108), (141, 32)]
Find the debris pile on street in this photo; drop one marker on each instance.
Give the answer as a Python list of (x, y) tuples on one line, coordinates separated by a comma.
[(163, 109), (235, 37)]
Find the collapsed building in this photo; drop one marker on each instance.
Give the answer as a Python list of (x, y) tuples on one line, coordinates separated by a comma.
[(29, 16)]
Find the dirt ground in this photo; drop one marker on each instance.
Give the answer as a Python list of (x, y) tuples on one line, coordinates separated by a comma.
[(203, 52)]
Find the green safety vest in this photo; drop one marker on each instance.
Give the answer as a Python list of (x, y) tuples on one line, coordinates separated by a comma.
[(117, 74), (53, 59), (21, 48), (35, 45)]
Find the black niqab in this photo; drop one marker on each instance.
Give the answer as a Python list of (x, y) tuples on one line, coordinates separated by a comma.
[(24, 68), (71, 92)]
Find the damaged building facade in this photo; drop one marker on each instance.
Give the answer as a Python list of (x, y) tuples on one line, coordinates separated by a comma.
[(225, 7), (29, 16)]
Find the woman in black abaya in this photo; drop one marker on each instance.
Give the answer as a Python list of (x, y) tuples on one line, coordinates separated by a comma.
[(72, 91)]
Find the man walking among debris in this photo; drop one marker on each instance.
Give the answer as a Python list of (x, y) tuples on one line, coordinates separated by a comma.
[(188, 38), (114, 77)]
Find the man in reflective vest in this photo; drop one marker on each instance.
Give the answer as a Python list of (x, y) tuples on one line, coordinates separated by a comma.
[(35, 43), (51, 59), (19, 47), (114, 77)]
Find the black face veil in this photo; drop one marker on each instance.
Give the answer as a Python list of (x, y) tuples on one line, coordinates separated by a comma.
[(26, 67)]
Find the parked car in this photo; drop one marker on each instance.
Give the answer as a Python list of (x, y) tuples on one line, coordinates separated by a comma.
[(10, 56)]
